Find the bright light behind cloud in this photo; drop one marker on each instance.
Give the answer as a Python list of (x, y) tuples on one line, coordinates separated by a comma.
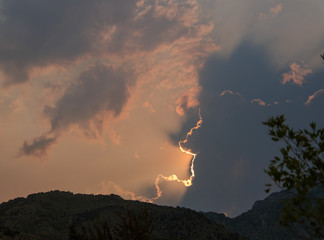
[(84, 87)]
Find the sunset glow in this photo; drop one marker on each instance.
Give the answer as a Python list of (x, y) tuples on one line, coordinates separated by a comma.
[(174, 177), (109, 97)]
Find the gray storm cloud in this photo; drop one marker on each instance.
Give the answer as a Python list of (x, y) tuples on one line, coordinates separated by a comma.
[(99, 89), (237, 95), (39, 33)]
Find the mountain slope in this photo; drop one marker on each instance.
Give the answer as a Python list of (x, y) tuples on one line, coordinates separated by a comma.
[(262, 221), (48, 215)]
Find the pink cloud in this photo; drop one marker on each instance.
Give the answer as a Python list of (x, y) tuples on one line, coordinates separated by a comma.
[(229, 92), (314, 95), (259, 102), (296, 74), (273, 12), (276, 10)]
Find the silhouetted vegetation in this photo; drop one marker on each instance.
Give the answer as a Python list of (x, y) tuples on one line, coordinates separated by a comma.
[(7, 232), (98, 231), (135, 226), (300, 170), (49, 215), (132, 226)]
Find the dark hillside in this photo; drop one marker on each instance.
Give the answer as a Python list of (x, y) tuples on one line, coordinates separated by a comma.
[(48, 216), (262, 221)]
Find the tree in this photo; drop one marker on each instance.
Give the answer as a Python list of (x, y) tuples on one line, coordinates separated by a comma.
[(99, 231), (300, 170), (132, 226), (135, 226)]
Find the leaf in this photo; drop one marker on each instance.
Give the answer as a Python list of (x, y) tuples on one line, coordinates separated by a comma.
[(300, 169)]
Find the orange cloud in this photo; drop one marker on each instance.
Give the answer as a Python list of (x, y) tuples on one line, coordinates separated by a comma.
[(149, 106), (187, 100), (100, 89), (97, 82)]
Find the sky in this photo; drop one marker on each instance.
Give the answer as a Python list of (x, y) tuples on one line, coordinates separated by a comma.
[(155, 100)]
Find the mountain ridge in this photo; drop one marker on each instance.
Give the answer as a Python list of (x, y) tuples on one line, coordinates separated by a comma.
[(48, 216), (262, 221)]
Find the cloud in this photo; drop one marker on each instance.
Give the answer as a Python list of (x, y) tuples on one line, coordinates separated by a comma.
[(149, 106), (113, 188), (230, 92), (35, 34), (236, 75), (96, 63), (97, 89), (187, 101), (274, 11), (160, 40), (314, 95), (233, 145), (287, 31), (100, 89), (296, 74), (292, 34), (17, 105), (38, 33), (258, 101), (38, 146)]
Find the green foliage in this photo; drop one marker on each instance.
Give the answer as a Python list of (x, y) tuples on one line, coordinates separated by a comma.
[(132, 226), (300, 170)]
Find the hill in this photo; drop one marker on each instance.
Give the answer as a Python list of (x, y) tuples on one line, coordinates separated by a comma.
[(262, 221), (48, 216)]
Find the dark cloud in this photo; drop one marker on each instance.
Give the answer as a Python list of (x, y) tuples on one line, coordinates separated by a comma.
[(150, 31), (38, 33), (98, 90), (249, 72), (38, 146), (233, 144)]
